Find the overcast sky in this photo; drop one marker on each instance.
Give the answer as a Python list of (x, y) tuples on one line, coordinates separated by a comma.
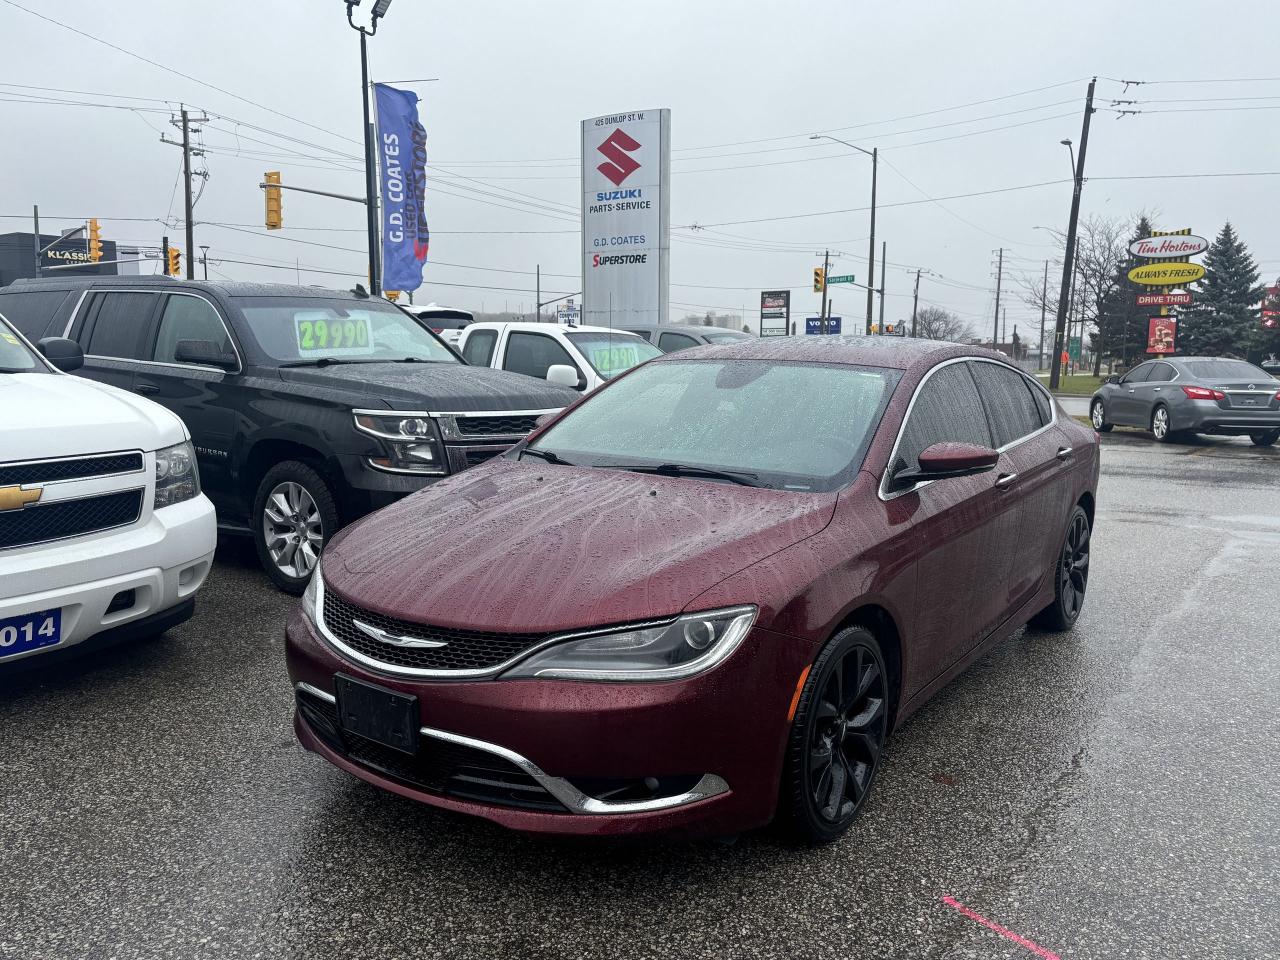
[(746, 81)]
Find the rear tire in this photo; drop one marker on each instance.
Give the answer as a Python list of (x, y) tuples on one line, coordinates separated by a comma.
[(1070, 577), (1160, 428), (294, 515), (1098, 416), (1266, 438), (837, 738)]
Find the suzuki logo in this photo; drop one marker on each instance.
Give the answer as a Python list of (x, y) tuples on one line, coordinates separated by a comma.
[(616, 150), (396, 640), (15, 498)]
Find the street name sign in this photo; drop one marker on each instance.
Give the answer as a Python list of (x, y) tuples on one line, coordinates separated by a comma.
[(843, 278)]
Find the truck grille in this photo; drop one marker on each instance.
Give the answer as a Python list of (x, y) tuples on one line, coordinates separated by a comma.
[(41, 523), (439, 766), (463, 650), (76, 468), (495, 426)]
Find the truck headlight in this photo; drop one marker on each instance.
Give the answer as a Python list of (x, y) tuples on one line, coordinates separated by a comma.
[(411, 442), (683, 648), (177, 476)]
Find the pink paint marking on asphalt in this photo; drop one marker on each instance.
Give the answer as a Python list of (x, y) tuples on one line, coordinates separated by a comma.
[(1035, 948)]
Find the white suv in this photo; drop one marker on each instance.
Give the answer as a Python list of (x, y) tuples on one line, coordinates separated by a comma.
[(577, 356), (104, 532)]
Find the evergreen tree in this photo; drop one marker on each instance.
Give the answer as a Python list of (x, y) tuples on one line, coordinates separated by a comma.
[(1225, 317)]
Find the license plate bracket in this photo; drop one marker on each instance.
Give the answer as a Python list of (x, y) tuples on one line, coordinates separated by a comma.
[(377, 713)]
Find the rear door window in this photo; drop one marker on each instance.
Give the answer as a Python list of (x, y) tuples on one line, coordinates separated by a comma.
[(1160, 373), (34, 313), (119, 325), (671, 342), (1040, 397), (1010, 408), (478, 349), (946, 410), (533, 354)]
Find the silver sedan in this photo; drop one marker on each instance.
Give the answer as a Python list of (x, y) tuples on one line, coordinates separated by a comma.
[(1178, 396)]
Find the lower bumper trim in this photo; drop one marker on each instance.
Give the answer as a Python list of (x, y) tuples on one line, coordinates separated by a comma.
[(708, 786)]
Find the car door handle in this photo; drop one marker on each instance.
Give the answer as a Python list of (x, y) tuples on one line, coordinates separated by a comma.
[(1006, 480), (1065, 453), (1131, 390), (146, 389), (1156, 389)]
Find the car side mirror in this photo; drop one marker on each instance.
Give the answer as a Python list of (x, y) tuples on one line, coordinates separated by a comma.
[(564, 375), (1113, 378), (64, 354), (943, 461), (206, 353)]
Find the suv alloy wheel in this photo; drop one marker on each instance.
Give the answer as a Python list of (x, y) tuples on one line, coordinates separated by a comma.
[(293, 515)]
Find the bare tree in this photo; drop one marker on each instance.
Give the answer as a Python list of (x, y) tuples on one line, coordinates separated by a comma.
[(938, 323)]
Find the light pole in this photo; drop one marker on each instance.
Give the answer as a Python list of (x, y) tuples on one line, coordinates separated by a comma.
[(370, 173), (873, 153), (204, 259)]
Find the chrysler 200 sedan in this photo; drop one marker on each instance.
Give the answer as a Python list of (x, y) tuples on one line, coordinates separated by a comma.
[(701, 598)]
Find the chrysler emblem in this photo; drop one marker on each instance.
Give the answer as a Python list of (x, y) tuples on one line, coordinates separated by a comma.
[(15, 498), (397, 640)]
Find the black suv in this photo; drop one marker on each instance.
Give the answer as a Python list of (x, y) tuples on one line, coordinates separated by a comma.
[(308, 407)]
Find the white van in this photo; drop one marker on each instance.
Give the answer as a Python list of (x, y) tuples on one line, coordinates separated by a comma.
[(576, 356), (104, 532)]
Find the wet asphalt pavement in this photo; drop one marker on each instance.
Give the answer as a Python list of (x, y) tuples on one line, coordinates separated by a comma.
[(1107, 793)]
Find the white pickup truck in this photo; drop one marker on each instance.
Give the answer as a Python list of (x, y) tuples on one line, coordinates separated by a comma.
[(104, 533)]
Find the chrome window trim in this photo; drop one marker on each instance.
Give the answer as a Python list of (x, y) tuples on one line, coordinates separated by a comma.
[(159, 363), (486, 672), (79, 456), (882, 490), (710, 785)]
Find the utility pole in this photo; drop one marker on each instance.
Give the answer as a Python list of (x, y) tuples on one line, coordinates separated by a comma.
[(1068, 255), (871, 247), (915, 302), (1044, 305), (370, 172), (995, 332), (537, 298), (164, 255), (1004, 330), (882, 263), (204, 259), (35, 216), (184, 122), (826, 265)]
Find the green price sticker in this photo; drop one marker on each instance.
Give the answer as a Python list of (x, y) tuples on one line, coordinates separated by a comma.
[(321, 335), (611, 360)]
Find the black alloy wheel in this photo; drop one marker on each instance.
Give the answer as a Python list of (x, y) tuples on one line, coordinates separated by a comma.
[(1098, 416), (1265, 438), (1071, 577), (837, 737)]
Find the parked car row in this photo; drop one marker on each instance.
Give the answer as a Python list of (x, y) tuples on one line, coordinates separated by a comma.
[(697, 599)]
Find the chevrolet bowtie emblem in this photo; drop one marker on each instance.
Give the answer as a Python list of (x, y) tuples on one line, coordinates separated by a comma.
[(15, 498)]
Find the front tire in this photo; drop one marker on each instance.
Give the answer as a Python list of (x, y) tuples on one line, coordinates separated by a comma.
[(1098, 416), (836, 739), (1265, 438), (1070, 577), (1160, 428), (294, 515)]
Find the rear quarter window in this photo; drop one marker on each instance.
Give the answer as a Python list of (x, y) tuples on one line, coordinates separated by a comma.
[(34, 313)]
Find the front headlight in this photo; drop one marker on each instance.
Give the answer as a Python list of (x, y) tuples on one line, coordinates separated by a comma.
[(411, 441), (311, 596), (177, 477), (688, 646)]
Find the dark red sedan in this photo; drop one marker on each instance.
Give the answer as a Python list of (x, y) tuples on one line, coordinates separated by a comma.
[(703, 596)]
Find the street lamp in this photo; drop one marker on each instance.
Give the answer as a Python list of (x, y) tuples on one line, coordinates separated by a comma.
[(873, 153), (1072, 150), (380, 8)]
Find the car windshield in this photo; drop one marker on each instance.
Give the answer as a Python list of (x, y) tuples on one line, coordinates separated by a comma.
[(613, 353), (304, 329), (1218, 369), (789, 426), (15, 357)]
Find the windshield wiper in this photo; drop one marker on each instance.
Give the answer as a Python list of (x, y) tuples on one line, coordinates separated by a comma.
[(546, 455), (319, 362), (741, 477)]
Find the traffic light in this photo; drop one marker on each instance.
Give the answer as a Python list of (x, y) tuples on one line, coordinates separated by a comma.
[(95, 241), (819, 279), (392, 295), (888, 329), (275, 213), (175, 262), (875, 328)]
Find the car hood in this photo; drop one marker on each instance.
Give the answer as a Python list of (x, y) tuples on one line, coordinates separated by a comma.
[(519, 547), (443, 387), (43, 416)]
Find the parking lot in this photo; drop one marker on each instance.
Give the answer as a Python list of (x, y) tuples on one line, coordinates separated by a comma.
[(1106, 793)]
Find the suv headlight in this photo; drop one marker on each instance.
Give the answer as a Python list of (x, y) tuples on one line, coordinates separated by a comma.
[(177, 476), (411, 441), (683, 648)]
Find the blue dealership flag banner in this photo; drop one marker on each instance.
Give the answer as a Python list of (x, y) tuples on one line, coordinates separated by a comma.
[(402, 162)]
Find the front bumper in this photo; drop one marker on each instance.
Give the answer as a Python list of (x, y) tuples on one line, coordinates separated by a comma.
[(544, 755), (156, 565)]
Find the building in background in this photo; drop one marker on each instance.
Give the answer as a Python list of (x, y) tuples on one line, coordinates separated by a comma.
[(17, 257)]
